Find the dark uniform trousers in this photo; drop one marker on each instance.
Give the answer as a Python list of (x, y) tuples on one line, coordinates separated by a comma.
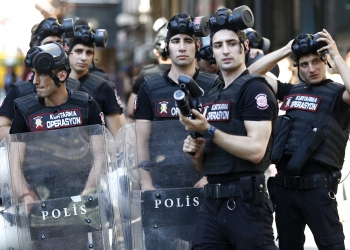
[(239, 225), (297, 207)]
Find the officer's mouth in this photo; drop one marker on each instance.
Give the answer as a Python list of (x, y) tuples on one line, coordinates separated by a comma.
[(182, 57), (313, 76)]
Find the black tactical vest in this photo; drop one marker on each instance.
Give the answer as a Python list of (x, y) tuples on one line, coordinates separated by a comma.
[(72, 84), (40, 118), (161, 94), (93, 83), (312, 108), (221, 112), (24, 88)]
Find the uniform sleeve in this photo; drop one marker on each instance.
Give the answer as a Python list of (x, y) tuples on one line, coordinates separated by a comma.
[(138, 82), (142, 106), (94, 113), (107, 100), (7, 107), (257, 103), (283, 90), (18, 123)]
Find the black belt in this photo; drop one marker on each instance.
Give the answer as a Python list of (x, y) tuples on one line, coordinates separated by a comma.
[(304, 182), (218, 190)]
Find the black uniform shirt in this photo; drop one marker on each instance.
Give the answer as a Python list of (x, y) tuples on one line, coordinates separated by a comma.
[(19, 124), (144, 109), (106, 98), (341, 111), (7, 107)]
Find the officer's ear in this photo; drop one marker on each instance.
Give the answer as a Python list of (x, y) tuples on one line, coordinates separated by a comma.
[(62, 75)]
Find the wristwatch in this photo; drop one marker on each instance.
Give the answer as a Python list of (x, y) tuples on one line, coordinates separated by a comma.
[(209, 134)]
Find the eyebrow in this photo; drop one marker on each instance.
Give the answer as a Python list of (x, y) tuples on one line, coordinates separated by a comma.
[(185, 38), (48, 42), (227, 41)]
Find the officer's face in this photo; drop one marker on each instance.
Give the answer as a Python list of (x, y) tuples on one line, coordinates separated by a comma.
[(227, 50), (312, 69), (205, 66), (182, 50), (81, 58), (52, 39), (45, 86)]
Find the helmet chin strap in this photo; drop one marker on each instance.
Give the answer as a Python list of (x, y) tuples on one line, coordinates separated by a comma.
[(55, 79)]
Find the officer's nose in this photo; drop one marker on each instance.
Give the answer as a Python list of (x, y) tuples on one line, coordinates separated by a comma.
[(182, 45), (225, 49), (36, 79)]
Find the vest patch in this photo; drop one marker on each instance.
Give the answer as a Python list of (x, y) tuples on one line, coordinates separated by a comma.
[(165, 109), (217, 112), (308, 103), (62, 119)]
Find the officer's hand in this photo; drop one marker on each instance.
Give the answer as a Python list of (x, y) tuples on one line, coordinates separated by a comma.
[(201, 183), (194, 145), (331, 45), (200, 124), (254, 52)]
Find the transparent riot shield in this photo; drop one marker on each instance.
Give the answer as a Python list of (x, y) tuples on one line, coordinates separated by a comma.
[(157, 199), (58, 194)]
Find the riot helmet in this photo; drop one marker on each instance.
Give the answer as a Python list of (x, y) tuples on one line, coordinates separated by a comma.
[(256, 41), (159, 42), (205, 51), (87, 36), (185, 24), (306, 44), (236, 20), (51, 27), (48, 59)]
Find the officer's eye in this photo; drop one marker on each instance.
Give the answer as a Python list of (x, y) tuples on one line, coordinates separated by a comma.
[(217, 45), (233, 43), (316, 61), (303, 64)]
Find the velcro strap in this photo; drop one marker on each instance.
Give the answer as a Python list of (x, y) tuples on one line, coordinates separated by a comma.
[(218, 191), (303, 182)]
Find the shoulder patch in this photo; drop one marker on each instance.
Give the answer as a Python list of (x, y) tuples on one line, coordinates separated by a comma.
[(261, 101)]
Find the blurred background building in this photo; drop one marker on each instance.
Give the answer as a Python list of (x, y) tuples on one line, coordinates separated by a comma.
[(129, 25)]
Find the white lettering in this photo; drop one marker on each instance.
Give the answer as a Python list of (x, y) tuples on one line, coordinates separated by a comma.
[(82, 209), (188, 201), (45, 214), (173, 111), (218, 115), (166, 203), (65, 212), (75, 210), (178, 203), (221, 106), (158, 202), (58, 213), (195, 201)]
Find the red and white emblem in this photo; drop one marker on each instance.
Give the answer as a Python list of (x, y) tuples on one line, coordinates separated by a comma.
[(261, 101)]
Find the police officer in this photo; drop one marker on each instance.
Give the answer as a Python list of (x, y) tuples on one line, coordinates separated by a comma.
[(155, 101), (47, 31), (310, 142), (81, 55), (164, 62), (237, 127), (53, 103), (207, 62), (54, 107)]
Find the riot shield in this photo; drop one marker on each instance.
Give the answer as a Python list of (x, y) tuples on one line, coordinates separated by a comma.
[(58, 194), (157, 199)]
